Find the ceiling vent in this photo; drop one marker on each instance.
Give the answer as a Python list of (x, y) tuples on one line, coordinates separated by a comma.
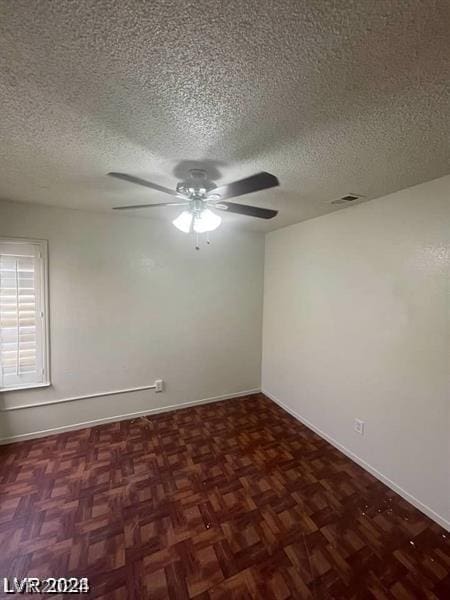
[(346, 199)]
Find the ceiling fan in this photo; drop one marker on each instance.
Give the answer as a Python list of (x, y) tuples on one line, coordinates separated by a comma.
[(199, 196)]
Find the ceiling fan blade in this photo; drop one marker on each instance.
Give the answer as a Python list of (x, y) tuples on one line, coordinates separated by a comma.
[(244, 209), (139, 181), (150, 205), (254, 183)]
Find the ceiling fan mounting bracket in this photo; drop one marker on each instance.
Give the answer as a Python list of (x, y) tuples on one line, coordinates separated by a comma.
[(197, 174)]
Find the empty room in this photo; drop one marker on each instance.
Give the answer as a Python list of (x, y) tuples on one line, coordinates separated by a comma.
[(224, 299)]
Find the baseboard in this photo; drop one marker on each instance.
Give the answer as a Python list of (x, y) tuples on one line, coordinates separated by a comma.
[(429, 512), (152, 411)]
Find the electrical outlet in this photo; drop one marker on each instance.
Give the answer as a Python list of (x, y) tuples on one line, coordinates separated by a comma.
[(358, 426), (159, 384)]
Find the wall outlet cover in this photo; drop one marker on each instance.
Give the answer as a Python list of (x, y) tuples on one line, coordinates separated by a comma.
[(358, 426)]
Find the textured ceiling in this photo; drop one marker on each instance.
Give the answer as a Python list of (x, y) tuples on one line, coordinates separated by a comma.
[(330, 96)]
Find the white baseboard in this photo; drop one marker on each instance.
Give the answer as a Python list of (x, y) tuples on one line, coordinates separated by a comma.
[(362, 463), (152, 411)]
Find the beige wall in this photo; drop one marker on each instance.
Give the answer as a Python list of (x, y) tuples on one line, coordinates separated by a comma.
[(356, 324), (131, 301)]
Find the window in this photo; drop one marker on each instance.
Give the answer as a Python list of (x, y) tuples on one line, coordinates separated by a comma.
[(23, 314)]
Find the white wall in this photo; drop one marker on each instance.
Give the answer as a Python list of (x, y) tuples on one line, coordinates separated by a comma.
[(131, 300), (356, 324)]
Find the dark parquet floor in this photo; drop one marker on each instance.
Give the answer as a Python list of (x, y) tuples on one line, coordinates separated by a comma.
[(228, 500)]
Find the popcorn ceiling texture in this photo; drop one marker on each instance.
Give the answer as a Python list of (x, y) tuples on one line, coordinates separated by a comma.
[(331, 96)]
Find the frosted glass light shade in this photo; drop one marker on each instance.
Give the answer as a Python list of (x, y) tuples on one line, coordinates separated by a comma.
[(207, 221), (184, 221)]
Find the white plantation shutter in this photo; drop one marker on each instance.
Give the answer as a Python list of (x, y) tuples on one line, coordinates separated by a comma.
[(23, 318)]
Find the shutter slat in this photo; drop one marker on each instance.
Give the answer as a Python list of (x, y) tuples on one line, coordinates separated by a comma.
[(20, 336)]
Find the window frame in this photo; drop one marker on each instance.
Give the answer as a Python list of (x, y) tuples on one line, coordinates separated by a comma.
[(44, 307)]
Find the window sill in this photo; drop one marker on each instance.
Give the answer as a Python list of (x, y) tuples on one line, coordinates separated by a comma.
[(30, 386)]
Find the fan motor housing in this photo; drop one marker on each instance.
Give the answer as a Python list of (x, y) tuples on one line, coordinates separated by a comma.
[(196, 185)]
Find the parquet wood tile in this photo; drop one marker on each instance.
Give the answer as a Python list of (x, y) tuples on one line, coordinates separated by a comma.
[(230, 500)]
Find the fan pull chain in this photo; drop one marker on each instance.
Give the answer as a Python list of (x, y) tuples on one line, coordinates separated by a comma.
[(197, 240)]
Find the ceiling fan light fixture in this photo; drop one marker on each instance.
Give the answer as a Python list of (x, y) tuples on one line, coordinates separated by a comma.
[(184, 221), (206, 221), (197, 192)]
